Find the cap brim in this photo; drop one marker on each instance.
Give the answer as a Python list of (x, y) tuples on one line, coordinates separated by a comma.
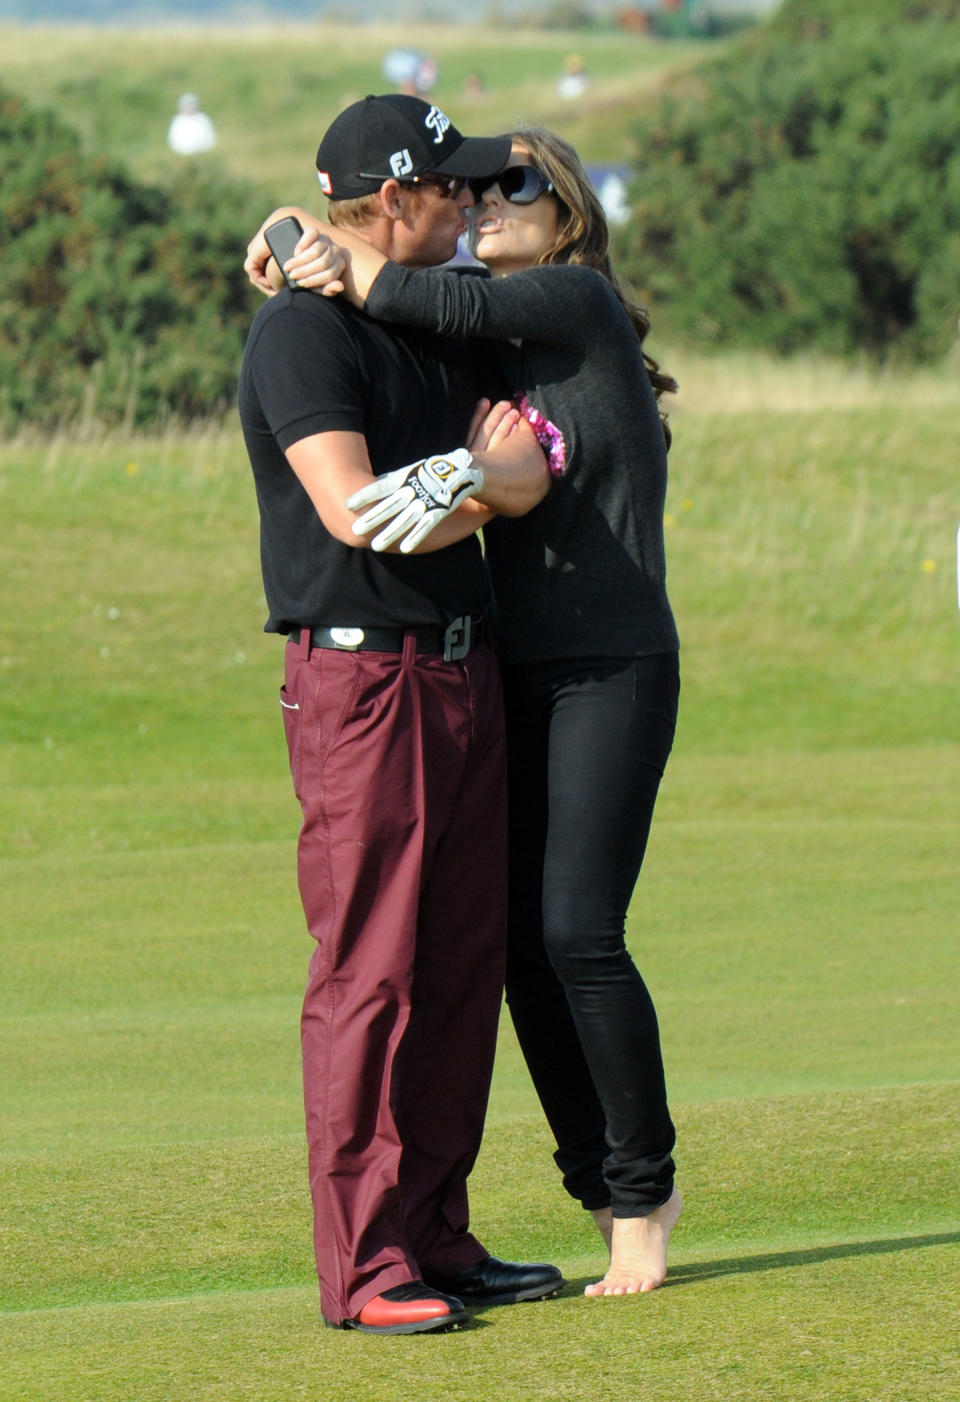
[(477, 156)]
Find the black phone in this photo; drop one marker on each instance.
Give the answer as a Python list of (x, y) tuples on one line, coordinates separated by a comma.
[(282, 240)]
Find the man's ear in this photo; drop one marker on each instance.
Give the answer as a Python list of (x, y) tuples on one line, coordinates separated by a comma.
[(392, 202)]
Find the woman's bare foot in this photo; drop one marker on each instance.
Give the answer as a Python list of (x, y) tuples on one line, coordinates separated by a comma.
[(603, 1221), (638, 1253)]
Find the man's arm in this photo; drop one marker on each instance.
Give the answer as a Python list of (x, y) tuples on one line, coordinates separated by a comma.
[(405, 508), (332, 466)]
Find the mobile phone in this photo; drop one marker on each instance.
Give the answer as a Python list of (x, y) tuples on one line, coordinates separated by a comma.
[(282, 240)]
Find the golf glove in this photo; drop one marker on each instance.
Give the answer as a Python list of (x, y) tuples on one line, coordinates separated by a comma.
[(414, 499)]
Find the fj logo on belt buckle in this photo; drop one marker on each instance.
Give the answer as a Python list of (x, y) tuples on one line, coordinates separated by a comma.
[(457, 639), (349, 638)]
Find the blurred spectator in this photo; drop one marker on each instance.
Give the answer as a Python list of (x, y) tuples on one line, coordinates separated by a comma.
[(474, 86), (191, 130), (574, 79), (637, 17), (410, 71), (612, 191)]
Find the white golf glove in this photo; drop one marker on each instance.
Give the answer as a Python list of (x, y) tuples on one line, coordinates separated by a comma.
[(414, 499)]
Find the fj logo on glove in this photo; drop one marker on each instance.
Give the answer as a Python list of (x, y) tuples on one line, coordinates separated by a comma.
[(442, 468)]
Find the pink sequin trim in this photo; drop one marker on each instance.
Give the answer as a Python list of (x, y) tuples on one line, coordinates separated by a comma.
[(548, 435)]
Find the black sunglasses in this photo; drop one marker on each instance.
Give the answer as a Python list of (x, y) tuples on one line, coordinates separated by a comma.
[(447, 186), (518, 184)]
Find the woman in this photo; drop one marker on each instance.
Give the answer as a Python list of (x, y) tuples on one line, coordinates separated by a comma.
[(588, 648)]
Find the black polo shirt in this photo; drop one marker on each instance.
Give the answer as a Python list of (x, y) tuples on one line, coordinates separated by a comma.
[(314, 364)]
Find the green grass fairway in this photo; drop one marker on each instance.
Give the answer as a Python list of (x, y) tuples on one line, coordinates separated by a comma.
[(797, 921)]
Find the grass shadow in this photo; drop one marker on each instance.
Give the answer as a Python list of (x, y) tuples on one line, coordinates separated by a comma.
[(808, 1256), (694, 1271)]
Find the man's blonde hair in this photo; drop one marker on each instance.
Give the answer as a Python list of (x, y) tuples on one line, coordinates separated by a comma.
[(354, 214)]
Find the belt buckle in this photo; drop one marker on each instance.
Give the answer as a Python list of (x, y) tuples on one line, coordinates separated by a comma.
[(347, 639), (458, 638)]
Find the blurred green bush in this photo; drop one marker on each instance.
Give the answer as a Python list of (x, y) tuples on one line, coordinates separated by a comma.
[(803, 190), (119, 302)]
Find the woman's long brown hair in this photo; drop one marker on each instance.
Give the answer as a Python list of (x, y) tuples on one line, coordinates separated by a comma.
[(582, 233)]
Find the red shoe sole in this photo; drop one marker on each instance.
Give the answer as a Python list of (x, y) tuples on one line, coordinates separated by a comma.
[(380, 1316)]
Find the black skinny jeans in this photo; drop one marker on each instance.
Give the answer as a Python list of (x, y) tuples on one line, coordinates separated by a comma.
[(588, 740)]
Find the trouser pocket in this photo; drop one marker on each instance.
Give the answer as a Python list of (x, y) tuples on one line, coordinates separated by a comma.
[(290, 710)]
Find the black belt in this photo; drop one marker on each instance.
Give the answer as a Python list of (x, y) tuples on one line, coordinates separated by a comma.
[(452, 643)]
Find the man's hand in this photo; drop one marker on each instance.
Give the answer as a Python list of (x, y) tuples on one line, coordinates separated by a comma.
[(414, 499)]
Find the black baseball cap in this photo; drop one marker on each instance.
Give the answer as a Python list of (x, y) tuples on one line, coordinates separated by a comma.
[(399, 136)]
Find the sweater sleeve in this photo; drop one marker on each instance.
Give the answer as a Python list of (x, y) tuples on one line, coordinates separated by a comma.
[(559, 304)]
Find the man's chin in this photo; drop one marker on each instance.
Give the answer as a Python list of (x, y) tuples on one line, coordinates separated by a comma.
[(435, 256)]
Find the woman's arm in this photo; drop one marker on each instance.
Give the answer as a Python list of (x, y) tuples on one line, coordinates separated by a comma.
[(556, 305), (315, 264), (516, 476), (327, 259)]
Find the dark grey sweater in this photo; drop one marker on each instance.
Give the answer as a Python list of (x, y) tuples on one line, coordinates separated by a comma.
[(583, 574)]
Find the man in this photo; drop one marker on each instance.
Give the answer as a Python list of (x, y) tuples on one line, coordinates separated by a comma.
[(393, 719)]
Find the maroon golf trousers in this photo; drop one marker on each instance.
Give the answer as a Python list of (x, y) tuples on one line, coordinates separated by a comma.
[(398, 762)]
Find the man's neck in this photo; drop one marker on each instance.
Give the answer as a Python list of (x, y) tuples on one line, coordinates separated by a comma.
[(396, 241), (381, 235)]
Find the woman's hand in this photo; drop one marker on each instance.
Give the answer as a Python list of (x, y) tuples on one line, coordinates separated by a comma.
[(259, 255), (255, 263), (317, 261), (491, 424)]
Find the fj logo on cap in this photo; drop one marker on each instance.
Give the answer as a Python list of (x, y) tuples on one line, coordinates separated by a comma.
[(401, 163), (436, 121), (325, 182)]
